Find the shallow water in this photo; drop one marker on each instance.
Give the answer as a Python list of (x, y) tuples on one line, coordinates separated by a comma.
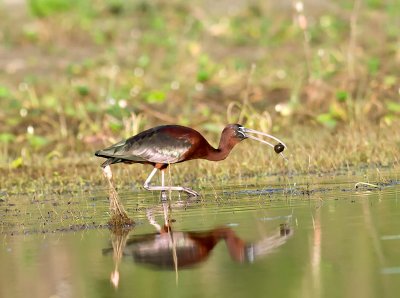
[(317, 237)]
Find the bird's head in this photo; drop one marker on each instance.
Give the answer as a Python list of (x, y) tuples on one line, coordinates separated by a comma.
[(238, 133)]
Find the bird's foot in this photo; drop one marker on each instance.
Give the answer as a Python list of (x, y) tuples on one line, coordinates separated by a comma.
[(164, 197), (191, 192)]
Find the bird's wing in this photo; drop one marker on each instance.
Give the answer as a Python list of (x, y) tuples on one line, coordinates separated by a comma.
[(156, 147)]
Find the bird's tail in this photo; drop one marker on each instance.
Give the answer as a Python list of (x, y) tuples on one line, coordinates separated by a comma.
[(110, 161), (116, 154), (109, 153)]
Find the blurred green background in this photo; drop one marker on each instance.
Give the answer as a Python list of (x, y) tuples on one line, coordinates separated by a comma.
[(78, 75)]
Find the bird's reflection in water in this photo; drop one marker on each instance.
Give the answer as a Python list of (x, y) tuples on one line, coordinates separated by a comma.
[(172, 250)]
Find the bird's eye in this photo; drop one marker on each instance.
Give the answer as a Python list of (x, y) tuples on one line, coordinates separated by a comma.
[(240, 134), (278, 148)]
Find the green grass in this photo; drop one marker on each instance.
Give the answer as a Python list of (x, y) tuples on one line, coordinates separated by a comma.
[(79, 75)]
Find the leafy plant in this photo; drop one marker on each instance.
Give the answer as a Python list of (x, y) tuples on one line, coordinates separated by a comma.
[(37, 142), (393, 106), (156, 96), (6, 137), (44, 8), (4, 92)]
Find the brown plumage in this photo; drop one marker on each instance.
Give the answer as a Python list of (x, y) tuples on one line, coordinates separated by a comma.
[(168, 144)]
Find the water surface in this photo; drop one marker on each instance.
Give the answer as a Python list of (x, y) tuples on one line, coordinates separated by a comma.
[(319, 238)]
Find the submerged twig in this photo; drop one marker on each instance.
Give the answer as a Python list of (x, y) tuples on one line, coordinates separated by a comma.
[(366, 184)]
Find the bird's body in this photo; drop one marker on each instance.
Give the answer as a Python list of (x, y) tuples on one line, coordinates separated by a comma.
[(164, 145), (169, 144)]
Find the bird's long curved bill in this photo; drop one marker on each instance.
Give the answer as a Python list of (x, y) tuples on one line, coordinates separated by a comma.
[(249, 131)]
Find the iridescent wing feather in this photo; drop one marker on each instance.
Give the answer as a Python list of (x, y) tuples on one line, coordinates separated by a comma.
[(154, 146)]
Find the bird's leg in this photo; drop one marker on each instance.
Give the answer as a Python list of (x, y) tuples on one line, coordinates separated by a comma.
[(166, 214), (147, 186), (163, 192), (152, 220)]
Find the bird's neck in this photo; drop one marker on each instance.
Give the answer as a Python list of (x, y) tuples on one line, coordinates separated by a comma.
[(223, 150)]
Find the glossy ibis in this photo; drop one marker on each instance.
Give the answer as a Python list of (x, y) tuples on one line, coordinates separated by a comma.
[(168, 144)]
